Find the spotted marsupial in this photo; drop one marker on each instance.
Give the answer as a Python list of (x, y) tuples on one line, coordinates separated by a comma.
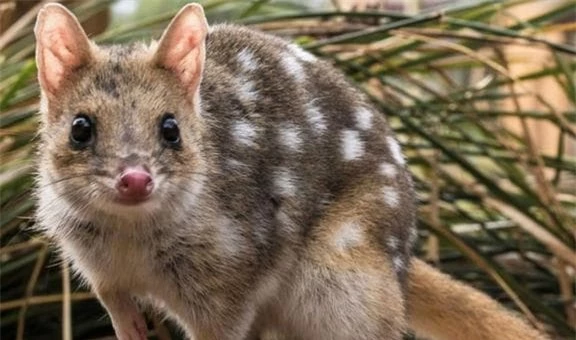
[(238, 184)]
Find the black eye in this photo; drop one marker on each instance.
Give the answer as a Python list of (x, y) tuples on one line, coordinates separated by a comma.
[(81, 131), (169, 130)]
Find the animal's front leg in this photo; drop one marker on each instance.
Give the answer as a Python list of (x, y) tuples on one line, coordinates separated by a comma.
[(128, 322), (230, 319)]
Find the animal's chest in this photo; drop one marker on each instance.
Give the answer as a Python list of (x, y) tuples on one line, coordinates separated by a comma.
[(117, 261)]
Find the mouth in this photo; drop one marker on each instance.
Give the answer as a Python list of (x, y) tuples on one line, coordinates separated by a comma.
[(131, 201)]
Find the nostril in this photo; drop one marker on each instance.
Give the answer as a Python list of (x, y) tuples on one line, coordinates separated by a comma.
[(134, 183)]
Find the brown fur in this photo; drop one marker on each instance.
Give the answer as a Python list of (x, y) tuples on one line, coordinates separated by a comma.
[(441, 308), (286, 208)]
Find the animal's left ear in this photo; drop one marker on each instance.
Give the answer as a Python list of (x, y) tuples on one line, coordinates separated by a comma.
[(182, 47)]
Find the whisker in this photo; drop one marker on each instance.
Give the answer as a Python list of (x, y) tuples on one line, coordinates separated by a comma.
[(60, 180), (184, 172)]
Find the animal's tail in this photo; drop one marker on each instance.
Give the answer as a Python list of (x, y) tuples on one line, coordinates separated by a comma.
[(442, 308)]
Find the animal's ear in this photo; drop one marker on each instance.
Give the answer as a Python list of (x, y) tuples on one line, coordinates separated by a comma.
[(182, 47), (61, 47)]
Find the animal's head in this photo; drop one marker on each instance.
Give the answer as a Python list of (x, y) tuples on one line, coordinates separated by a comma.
[(120, 124)]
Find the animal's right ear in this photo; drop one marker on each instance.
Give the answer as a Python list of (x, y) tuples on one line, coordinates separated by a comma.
[(61, 47)]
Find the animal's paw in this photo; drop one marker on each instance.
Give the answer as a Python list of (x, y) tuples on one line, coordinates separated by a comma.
[(131, 328)]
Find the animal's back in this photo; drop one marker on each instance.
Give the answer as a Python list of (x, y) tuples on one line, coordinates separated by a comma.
[(316, 171), (292, 133)]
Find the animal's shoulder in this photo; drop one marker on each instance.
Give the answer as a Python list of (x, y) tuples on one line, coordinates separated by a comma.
[(225, 41)]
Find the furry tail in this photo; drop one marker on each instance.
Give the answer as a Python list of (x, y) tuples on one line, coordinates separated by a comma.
[(442, 308)]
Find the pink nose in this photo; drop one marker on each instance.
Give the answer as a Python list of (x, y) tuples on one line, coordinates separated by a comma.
[(135, 184)]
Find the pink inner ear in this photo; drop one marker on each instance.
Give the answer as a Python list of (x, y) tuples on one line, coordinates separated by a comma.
[(62, 46), (183, 54), (182, 47), (53, 72), (59, 44), (58, 57), (184, 59)]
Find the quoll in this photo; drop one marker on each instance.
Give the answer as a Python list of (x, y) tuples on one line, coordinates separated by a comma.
[(238, 184)]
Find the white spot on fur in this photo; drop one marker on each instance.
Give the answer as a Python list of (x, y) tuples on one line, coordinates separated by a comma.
[(247, 60), (284, 182), (301, 53), (413, 234), (234, 163), (352, 145), (247, 91), (393, 243), (348, 236), (293, 67), (395, 150), (315, 118), (244, 133), (398, 263), (289, 136), (390, 196), (388, 170), (364, 118), (237, 167)]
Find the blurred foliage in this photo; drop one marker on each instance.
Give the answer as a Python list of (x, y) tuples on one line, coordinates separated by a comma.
[(495, 210)]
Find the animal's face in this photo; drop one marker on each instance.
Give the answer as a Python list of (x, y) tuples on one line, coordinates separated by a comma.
[(121, 126)]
